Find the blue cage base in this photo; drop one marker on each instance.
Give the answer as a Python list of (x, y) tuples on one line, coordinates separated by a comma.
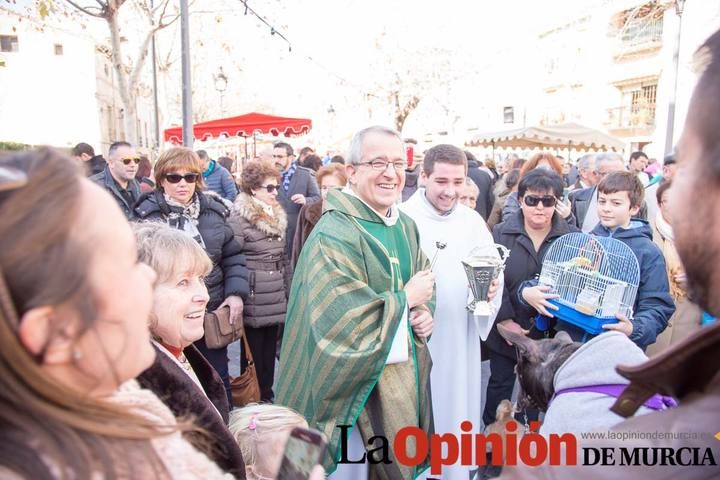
[(588, 323)]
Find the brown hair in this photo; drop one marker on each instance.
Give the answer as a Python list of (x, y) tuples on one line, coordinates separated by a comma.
[(443, 154), (178, 158), (254, 174), (334, 169), (144, 168), (624, 182), (43, 423), (532, 164), (313, 162)]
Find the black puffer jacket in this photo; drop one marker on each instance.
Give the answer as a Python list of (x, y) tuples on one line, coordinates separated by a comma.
[(229, 275), (523, 264), (262, 240)]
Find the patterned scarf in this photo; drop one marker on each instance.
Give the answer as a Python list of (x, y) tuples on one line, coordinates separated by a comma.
[(185, 217), (287, 175)]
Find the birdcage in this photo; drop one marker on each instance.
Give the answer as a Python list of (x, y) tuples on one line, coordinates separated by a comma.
[(596, 278)]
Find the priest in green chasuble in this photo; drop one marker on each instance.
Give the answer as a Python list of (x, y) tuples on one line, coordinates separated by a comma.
[(355, 360)]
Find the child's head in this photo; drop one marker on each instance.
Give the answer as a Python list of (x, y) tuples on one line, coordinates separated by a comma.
[(620, 196), (261, 431)]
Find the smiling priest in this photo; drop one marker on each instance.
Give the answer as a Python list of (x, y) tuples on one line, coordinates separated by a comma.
[(355, 360)]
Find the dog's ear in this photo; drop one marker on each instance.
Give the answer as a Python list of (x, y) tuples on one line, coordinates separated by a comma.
[(527, 346), (563, 337)]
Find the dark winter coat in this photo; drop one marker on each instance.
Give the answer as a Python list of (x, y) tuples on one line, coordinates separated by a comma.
[(219, 180), (302, 182), (96, 165), (181, 394), (229, 276), (484, 182), (106, 180), (261, 238), (580, 203), (411, 183), (653, 306), (309, 217), (523, 264)]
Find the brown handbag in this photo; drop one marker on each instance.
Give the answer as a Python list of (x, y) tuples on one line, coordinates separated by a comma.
[(245, 388), (219, 332)]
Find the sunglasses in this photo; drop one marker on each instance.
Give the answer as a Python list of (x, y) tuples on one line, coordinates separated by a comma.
[(176, 177), (270, 188), (127, 160), (547, 200)]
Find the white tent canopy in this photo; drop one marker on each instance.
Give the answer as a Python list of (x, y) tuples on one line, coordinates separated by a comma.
[(568, 135)]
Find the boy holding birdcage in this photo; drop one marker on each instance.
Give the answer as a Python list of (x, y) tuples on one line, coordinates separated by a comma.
[(620, 196)]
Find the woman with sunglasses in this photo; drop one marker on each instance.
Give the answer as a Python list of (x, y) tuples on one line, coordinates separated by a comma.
[(528, 233), (179, 201), (543, 161), (260, 225)]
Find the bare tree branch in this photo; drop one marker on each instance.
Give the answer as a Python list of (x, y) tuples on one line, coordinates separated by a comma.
[(85, 10)]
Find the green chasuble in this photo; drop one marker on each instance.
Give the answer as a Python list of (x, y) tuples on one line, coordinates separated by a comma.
[(346, 304)]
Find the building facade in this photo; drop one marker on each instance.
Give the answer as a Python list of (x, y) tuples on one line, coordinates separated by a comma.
[(58, 88)]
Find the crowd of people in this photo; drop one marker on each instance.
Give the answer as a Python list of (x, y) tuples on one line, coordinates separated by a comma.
[(344, 276)]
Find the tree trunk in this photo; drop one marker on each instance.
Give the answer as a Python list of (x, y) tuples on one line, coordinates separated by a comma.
[(402, 113)]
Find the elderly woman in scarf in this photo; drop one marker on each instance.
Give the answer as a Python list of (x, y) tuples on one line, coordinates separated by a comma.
[(179, 201), (180, 375), (687, 316)]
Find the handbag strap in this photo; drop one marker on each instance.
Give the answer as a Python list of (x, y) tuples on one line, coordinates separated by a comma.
[(246, 349)]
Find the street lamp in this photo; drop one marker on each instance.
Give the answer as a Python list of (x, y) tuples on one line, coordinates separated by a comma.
[(221, 81), (679, 7)]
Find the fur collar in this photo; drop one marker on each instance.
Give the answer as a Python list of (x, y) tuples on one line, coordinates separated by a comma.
[(247, 208)]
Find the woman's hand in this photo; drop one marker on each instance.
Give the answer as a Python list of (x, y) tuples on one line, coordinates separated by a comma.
[(681, 279), (537, 297), (562, 209), (421, 321), (236, 308)]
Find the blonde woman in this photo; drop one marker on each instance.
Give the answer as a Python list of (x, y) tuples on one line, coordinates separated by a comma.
[(261, 431), (70, 341), (180, 201), (181, 376)]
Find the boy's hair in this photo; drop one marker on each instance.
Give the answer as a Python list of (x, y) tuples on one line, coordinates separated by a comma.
[(256, 425), (624, 182)]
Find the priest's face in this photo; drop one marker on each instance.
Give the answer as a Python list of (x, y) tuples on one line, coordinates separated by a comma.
[(379, 177), (444, 185)]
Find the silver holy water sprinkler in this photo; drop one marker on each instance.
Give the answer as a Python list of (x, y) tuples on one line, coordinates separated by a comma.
[(440, 246)]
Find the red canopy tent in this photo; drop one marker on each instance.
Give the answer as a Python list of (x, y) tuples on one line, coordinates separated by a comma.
[(244, 126)]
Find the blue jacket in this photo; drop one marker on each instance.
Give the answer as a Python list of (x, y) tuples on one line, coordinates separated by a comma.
[(654, 305), (220, 181)]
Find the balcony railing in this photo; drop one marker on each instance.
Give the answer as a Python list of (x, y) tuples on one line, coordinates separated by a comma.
[(635, 116), (641, 33)]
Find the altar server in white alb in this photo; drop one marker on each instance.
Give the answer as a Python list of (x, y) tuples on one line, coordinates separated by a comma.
[(452, 231)]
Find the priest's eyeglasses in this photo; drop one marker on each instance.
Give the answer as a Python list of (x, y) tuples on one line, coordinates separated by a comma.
[(381, 165)]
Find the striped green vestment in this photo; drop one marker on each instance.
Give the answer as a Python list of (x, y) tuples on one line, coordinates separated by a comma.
[(346, 303)]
